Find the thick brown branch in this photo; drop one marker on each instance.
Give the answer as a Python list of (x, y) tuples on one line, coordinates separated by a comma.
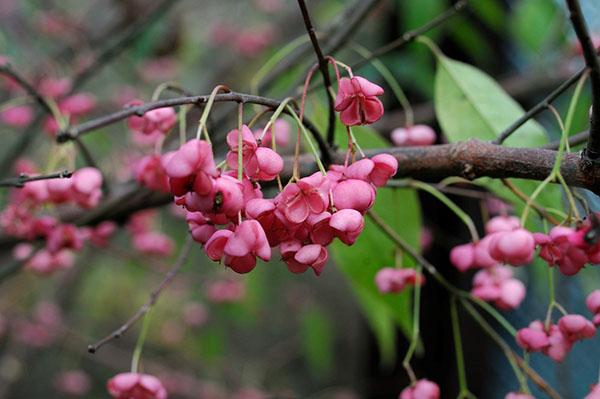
[(592, 151), (471, 160)]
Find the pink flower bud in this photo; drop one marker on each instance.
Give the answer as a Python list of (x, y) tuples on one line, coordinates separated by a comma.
[(559, 344), (136, 386), (300, 258), (422, 389), (226, 291), (385, 167), (347, 225), (594, 392), (512, 247), (17, 116), (417, 135), (307, 196), (463, 256), (357, 101), (72, 382), (353, 194), (199, 227), (153, 243), (393, 280), (502, 223), (533, 338), (593, 301), (576, 327), (77, 104), (518, 395)]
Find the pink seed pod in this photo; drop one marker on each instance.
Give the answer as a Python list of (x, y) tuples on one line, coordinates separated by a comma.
[(502, 223), (518, 395), (514, 247), (422, 389), (136, 386), (417, 135), (533, 338), (463, 256), (576, 327), (357, 101), (593, 302)]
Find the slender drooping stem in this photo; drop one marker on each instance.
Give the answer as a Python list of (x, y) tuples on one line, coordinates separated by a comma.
[(8, 70), (19, 181), (323, 67), (154, 295), (539, 107)]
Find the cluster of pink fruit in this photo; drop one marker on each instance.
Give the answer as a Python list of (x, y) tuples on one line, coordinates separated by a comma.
[(307, 214), (55, 91), (21, 218), (556, 340), (302, 219), (506, 242)]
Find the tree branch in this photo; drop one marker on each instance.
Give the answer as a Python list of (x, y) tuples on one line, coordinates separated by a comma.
[(539, 107), (118, 333), (324, 68), (411, 35), (7, 70), (73, 132), (592, 151), (19, 181)]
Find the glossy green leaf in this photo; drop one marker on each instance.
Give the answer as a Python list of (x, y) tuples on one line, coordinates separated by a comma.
[(471, 105)]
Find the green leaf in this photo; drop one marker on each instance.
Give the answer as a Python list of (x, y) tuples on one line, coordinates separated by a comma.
[(317, 341), (471, 105)]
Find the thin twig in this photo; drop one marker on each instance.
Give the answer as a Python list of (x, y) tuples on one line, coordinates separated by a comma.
[(592, 151), (19, 181), (324, 68), (539, 107), (154, 295), (8, 70), (574, 140), (75, 131), (509, 353), (410, 36), (407, 37), (336, 35), (522, 196)]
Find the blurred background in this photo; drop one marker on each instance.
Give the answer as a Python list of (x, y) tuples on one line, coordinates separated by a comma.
[(268, 334)]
